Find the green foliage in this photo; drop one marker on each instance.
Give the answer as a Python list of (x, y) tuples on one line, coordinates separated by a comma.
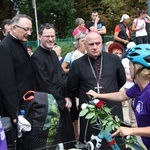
[(6, 11), (110, 11), (66, 47), (60, 13), (63, 13), (84, 112)]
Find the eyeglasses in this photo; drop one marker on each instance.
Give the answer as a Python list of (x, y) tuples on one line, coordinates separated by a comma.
[(25, 29), (47, 37)]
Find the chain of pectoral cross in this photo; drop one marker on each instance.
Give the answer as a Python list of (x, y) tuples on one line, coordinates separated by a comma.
[(97, 76)]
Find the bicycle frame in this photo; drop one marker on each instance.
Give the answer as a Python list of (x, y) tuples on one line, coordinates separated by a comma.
[(107, 135)]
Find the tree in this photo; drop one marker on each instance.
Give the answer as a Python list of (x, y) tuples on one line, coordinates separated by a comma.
[(62, 13), (110, 11), (6, 11)]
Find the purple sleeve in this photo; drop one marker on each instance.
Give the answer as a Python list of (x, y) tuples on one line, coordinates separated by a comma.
[(148, 101), (133, 91)]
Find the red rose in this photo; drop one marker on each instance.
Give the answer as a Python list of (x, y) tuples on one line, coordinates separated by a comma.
[(100, 104)]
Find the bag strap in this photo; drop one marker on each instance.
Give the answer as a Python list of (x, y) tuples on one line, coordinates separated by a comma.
[(28, 96), (137, 21)]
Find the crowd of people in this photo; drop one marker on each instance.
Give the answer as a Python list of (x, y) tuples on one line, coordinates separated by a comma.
[(93, 68)]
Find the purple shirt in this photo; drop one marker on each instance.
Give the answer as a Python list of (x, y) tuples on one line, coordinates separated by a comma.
[(3, 144), (141, 108)]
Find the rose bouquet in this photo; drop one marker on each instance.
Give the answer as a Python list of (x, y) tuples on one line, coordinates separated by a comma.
[(98, 113)]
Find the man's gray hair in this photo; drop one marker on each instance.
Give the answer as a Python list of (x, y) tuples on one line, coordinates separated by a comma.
[(17, 17)]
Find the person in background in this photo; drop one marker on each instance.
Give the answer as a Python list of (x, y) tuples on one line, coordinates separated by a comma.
[(79, 52), (79, 44), (129, 83), (52, 79), (80, 23), (66, 64), (107, 44), (139, 57), (116, 48), (97, 25), (57, 49), (5, 31), (97, 70), (6, 26), (29, 49), (139, 26), (122, 32)]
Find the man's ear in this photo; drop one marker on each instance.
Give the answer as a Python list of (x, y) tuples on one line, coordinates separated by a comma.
[(39, 36)]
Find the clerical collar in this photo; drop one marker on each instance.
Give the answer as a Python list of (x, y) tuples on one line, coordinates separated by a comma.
[(45, 48), (13, 36), (95, 58)]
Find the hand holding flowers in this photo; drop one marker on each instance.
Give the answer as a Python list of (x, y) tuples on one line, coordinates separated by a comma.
[(97, 112)]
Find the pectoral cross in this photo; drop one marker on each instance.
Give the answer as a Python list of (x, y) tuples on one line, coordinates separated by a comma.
[(98, 88)]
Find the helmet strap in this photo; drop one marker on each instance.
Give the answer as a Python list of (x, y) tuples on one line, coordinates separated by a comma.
[(140, 70), (135, 73)]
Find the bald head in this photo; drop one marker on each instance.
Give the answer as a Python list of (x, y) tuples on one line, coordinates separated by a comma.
[(91, 35), (93, 44)]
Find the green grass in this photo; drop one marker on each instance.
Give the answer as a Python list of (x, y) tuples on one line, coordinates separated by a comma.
[(66, 47)]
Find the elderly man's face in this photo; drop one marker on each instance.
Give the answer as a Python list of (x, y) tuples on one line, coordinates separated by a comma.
[(23, 29), (93, 44)]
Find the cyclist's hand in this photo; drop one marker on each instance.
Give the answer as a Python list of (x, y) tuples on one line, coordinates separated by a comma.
[(92, 93), (123, 131)]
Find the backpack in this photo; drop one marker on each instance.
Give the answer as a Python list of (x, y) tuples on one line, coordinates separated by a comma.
[(41, 110)]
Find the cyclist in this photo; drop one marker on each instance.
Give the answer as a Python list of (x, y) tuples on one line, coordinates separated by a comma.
[(139, 57)]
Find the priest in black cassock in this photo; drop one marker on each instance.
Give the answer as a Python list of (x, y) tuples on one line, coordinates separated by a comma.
[(52, 79), (97, 70), (17, 74)]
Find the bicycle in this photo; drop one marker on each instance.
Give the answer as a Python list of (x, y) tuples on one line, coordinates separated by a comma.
[(92, 109)]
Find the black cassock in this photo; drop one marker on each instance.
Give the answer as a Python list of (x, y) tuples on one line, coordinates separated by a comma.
[(52, 79), (16, 77), (81, 79)]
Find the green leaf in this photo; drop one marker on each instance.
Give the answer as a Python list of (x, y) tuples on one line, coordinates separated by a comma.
[(104, 122), (117, 119), (90, 115), (94, 119), (91, 106), (107, 109), (108, 128), (83, 112), (110, 123), (114, 127)]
